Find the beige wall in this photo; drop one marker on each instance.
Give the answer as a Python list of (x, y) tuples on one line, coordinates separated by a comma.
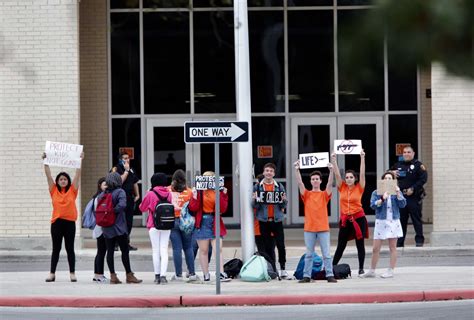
[(93, 93), (453, 158), (39, 101)]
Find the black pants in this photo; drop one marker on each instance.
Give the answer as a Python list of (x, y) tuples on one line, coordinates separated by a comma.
[(123, 244), (343, 237), (129, 213), (100, 256), (412, 210), (276, 228), (63, 229), (261, 244)]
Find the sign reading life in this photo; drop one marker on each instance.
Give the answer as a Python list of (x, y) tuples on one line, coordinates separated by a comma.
[(314, 160)]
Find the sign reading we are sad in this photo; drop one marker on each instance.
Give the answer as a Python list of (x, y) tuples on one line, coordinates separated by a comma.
[(60, 154)]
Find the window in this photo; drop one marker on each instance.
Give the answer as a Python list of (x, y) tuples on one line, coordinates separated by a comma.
[(126, 133), (269, 131), (402, 129)]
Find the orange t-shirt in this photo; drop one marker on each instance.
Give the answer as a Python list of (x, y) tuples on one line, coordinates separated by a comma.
[(316, 211), (179, 198), (271, 209), (64, 204), (209, 201), (350, 198)]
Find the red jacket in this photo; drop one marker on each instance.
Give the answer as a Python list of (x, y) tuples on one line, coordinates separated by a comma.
[(195, 206)]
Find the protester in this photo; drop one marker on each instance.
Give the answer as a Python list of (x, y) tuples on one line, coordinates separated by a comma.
[(63, 193), (259, 242), (117, 233), (387, 225), (316, 222), (159, 238), (203, 204), (412, 176), (181, 241), (270, 216), (353, 223), (97, 234)]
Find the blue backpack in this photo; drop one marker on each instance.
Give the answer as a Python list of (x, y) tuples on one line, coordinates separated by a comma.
[(317, 266), (88, 217), (186, 220)]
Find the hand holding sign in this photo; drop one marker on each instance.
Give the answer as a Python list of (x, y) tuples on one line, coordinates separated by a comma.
[(62, 154), (387, 187), (348, 147)]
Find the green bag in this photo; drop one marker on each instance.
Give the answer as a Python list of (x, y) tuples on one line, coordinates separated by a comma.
[(255, 270)]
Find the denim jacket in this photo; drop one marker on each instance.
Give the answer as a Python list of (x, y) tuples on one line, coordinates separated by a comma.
[(262, 208), (381, 211)]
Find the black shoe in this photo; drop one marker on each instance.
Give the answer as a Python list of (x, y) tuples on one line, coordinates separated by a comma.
[(132, 248), (305, 280), (361, 272), (419, 244), (332, 279), (400, 245)]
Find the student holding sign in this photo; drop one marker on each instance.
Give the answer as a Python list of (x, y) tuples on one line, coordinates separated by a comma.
[(316, 223), (63, 193), (353, 223), (203, 204), (269, 199), (387, 224)]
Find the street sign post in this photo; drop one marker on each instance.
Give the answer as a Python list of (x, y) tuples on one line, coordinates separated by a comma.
[(216, 132)]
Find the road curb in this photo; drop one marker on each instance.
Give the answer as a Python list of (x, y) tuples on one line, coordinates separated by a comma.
[(233, 300)]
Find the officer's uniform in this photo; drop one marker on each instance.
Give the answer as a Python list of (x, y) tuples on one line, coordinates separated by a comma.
[(412, 175)]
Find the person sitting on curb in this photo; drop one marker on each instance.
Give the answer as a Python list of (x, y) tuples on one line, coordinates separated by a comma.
[(316, 222)]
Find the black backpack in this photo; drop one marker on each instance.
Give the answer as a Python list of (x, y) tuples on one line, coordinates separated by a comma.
[(232, 267), (342, 271), (163, 217)]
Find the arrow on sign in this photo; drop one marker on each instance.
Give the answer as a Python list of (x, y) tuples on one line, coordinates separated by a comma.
[(215, 132)]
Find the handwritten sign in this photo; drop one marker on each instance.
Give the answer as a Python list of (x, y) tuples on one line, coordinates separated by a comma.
[(60, 154), (270, 197), (347, 146), (314, 160), (389, 186), (207, 182)]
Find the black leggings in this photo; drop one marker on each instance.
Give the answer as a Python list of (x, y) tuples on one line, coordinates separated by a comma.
[(123, 244), (269, 240), (344, 233), (63, 229), (100, 256)]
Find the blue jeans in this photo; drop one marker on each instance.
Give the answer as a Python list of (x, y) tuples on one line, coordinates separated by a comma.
[(181, 241), (310, 239)]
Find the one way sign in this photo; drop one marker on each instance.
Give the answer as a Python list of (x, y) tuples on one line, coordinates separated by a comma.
[(216, 132)]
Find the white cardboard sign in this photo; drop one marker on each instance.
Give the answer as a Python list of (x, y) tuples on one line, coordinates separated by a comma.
[(389, 186), (207, 182), (314, 160), (347, 146), (61, 154)]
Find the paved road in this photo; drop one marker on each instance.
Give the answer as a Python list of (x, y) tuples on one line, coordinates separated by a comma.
[(458, 310)]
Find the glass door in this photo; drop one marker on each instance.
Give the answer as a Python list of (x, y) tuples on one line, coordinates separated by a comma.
[(166, 152), (309, 135), (370, 131)]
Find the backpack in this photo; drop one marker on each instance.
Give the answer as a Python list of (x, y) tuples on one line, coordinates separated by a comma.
[(255, 270), (186, 220), (163, 217), (88, 217), (317, 266), (233, 267), (271, 267), (105, 213), (342, 271)]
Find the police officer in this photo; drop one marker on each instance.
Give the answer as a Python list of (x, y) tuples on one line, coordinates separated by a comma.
[(412, 176)]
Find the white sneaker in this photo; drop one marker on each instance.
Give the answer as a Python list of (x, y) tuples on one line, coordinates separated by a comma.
[(387, 274), (207, 277), (370, 274), (176, 278), (193, 277), (284, 274), (224, 278)]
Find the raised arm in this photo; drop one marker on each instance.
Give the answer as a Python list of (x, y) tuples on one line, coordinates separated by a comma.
[(330, 179), (335, 168), (299, 180), (362, 169), (77, 176), (47, 172)]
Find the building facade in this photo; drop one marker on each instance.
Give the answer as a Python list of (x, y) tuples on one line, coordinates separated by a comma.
[(128, 74)]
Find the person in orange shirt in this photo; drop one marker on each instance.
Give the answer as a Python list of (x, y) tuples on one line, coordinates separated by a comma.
[(316, 223), (63, 193), (353, 223)]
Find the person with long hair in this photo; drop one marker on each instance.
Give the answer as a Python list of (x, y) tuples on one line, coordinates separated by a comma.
[(99, 276), (63, 193), (203, 204), (352, 223), (180, 240), (159, 238), (387, 225)]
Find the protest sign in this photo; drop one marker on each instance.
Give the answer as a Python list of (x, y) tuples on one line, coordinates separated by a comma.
[(389, 186), (60, 154), (347, 146), (270, 197), (314, 160), (207, 182)]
